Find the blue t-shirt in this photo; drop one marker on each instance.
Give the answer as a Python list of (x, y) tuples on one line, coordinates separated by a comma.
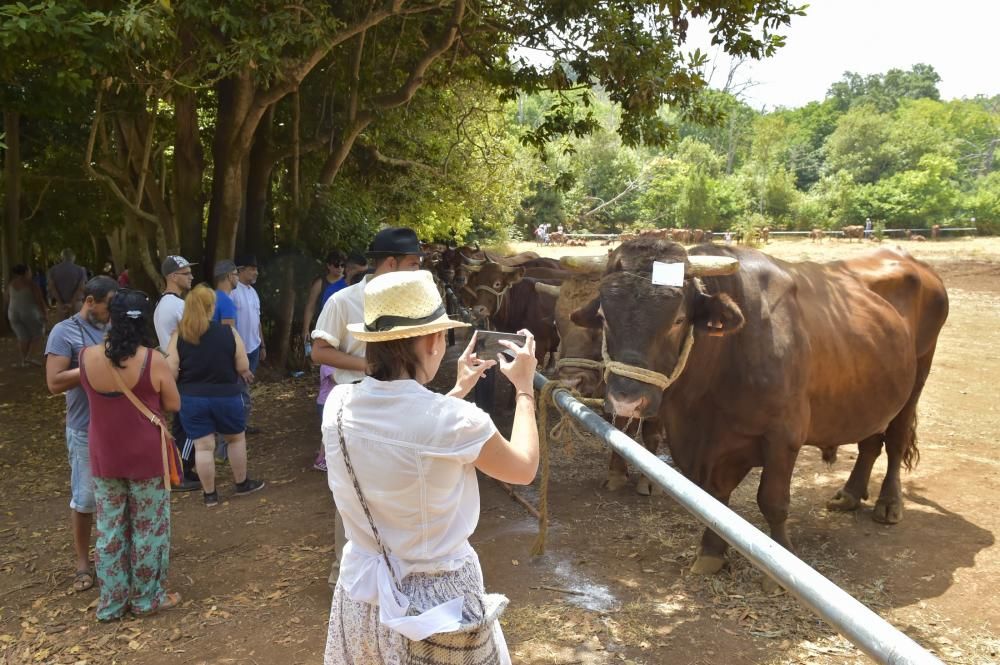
[(329, 289), (225, 308), (67, 339)]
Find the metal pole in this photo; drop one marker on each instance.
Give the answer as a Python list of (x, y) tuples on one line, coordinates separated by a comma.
[(865, 629)]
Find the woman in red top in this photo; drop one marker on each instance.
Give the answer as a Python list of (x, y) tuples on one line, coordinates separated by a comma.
[(133, 506)]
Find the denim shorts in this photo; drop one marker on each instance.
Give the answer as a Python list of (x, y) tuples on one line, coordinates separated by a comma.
[(202, 416), (81, 482)]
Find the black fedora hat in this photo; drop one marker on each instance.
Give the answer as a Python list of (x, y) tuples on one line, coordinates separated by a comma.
[(394, 242)]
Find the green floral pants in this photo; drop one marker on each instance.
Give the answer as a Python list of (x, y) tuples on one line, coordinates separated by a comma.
[(133, 545)]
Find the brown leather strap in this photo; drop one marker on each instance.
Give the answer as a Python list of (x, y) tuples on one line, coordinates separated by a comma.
[(145, 411)]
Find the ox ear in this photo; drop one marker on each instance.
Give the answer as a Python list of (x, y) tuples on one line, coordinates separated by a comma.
[(587, 316), (718, 315)]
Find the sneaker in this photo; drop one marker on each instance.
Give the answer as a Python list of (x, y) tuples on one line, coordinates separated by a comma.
[(186, 486), (211, 499), (320, 463), (249, 486)]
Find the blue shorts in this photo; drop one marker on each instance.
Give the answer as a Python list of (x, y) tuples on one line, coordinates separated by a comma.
[(80, 480), (202, 416)]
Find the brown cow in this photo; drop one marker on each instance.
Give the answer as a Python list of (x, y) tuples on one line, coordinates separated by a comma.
[(778, 355), (910, 235), (501, 298), (936, 232), (854, 232), (579, 360), (817, 235)]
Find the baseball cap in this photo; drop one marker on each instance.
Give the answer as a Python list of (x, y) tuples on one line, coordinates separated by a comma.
[(173, 263), (223, 267)]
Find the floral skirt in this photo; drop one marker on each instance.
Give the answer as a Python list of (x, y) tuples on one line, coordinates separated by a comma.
[(133, 545), (355, 636)]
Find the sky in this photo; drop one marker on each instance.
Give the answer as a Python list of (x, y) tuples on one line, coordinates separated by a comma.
[(959, 38)]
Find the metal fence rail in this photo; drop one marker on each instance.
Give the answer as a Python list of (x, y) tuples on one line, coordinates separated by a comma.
[(867, 630)]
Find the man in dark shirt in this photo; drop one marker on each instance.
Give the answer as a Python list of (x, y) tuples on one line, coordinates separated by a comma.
[(66, 280)]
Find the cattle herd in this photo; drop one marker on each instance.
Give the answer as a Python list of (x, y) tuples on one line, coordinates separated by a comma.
[(736, 366)]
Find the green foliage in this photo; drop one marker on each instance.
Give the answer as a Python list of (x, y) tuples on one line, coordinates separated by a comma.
[(885, 91), (983, 204)]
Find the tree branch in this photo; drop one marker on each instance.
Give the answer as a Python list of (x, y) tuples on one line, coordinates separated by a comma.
[(94, 173), (38, 204)]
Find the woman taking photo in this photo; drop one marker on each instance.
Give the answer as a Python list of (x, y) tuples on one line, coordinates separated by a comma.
[(208, 359), (126, 459), (402, 466)]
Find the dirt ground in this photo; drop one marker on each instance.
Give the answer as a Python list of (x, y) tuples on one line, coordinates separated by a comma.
[(613, 586)]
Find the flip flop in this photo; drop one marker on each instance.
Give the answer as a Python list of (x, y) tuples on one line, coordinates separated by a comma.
[(83, 580), (171, 600)]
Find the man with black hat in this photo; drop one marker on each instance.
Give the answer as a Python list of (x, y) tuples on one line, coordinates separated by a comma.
[(176, 270), (248, 322), (392, 249)]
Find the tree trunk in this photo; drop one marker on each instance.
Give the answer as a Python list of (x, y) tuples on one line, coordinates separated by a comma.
[(258, 229), (189, 167), (10, 252)]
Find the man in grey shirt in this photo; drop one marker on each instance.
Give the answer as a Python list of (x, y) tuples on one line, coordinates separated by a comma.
[(62, 374), (66, 280)]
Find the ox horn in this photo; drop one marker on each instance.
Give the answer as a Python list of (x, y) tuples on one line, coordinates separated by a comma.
[(548, 289), (584, 264), (506, 268), (468, 260), (711, 266)]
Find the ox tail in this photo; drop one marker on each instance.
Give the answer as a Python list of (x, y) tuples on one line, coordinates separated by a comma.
[(911, 454)]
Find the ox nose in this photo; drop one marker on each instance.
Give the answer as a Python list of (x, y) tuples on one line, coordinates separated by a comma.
[(480, 313), (572, 381), (629, 407)]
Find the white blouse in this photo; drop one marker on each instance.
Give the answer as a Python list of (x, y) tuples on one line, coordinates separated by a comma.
[(413, 452)]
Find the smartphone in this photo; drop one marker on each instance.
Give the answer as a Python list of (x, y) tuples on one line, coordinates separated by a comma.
[(488, 346)]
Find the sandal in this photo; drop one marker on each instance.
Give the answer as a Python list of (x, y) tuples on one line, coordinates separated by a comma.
[(171, 600), (83, 580)]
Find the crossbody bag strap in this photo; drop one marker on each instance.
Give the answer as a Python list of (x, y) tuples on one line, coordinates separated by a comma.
[(361, 497), (145, 411)]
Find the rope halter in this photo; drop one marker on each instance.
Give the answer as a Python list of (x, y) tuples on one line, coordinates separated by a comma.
[(580, 363), (661, 381), (497, 294)]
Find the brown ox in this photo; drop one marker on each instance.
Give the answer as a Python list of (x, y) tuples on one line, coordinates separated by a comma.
[(780, 355), (501, 298), (817, 235), (579, 363), (854, 232)]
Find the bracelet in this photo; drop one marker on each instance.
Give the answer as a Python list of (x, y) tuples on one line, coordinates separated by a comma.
[(526, 394)]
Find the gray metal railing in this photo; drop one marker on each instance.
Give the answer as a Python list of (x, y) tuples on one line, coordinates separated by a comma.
[(865, 629)]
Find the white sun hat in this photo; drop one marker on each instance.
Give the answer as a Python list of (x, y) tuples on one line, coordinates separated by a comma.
[(402, 304)]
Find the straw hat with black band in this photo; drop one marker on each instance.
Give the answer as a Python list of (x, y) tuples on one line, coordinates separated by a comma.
[(403, 304)]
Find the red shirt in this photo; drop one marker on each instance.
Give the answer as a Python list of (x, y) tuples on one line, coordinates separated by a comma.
[(123, 443)]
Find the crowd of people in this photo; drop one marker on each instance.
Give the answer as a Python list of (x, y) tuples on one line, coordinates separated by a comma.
[(400, 459)]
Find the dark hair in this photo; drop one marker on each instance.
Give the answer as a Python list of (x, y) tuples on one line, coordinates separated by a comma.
[(129, 325), (99, 288), (379, 260), (393, 359), (358, 276), (19, 269), (356, 259), (336, 257)]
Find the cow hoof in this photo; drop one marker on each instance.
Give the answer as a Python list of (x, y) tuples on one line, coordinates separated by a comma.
[(888, 511), (843, 501), (615, 482), (646, 487), (770, 587), (707, 564)]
